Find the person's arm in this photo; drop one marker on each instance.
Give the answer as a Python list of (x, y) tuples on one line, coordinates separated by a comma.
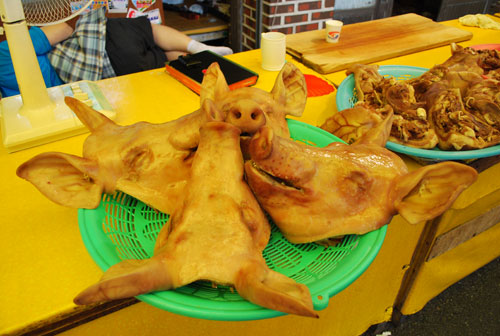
[(57, 33)]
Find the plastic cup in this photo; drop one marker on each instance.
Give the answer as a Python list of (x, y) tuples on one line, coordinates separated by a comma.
[(273, 47), (333, 28)]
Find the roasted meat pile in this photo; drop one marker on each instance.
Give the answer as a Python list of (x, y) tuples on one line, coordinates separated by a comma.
[(218, 233), (454, 105), (217, 170)]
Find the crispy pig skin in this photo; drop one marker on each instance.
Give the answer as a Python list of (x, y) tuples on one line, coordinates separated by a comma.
[(217, 234), (316, 193)]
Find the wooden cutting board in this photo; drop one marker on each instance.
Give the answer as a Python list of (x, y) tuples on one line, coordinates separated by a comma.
[(371, 41)]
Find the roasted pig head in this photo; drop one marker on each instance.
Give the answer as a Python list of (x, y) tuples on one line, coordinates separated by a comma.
[(239, 107), (318, 193), (150, 162), (217, 234)]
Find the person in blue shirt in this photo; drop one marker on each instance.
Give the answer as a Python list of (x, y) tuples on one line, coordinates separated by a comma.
[(44, 39), (98, 48)]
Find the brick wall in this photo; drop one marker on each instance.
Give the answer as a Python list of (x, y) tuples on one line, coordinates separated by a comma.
[(286, 16)]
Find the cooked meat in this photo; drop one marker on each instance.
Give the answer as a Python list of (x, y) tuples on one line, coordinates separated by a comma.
[(489, 60), (474, 73), (483, 100), (410, 126), (423, 82), (456, 127), (369, 84), (463, 59)]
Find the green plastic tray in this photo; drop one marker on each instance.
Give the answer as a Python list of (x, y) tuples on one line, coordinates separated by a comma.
[(124, 228)]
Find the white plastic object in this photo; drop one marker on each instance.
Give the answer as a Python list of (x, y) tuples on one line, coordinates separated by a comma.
[(20, 132), (38, 115)]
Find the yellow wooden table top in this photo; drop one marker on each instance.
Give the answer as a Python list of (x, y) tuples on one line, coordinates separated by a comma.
[(44, 263)]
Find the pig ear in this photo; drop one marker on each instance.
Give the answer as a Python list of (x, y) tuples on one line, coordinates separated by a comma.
[(91, 118), (427, 192), (65, 179), (214, 84), (126, 279), (273, 290), (378, 134), (211, 111), (290, 90)]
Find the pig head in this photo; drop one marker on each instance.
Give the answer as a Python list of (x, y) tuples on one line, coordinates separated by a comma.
[(287, 97), (318, 193), (148, 161), (151, 161)]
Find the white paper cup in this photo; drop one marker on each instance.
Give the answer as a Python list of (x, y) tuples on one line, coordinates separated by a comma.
[(273, 48), (333, 28)]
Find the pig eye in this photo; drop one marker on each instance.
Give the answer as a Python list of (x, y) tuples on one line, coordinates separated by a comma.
[(356, 185), (268, 110), (191, 154), (138, 158)]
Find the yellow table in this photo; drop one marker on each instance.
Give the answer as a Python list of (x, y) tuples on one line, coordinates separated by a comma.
[(45, 264)]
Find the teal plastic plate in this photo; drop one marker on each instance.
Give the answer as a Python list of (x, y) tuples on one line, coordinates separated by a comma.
[(346, 98), (124, 228)]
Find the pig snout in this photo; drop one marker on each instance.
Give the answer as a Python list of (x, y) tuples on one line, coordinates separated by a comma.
[(261, 145), (247, 118)]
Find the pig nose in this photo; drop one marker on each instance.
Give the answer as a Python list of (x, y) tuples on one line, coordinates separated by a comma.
[(247, 120)]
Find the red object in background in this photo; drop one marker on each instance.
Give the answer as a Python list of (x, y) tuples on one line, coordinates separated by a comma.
[(317, 86), (491, 46), (190, 15)]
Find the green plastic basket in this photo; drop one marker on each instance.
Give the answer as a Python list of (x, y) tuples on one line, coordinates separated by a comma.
[(124, 228)]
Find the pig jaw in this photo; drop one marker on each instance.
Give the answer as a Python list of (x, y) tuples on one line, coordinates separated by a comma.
[(281, 161), (318, 211)]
